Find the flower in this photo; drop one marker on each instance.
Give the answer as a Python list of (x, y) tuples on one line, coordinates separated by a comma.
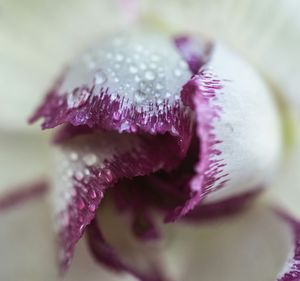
[(156, 123)]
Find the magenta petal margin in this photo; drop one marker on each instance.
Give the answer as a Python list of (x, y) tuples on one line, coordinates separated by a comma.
[(199, 93)]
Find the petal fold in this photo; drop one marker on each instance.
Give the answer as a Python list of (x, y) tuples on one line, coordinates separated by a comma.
[(88, 164), (239, 130)]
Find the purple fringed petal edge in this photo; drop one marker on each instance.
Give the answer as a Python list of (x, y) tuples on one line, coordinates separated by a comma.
[(199, 93)]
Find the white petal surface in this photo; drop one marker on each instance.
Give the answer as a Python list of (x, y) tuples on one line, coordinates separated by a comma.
[(248, 127), (27, 251), (37, 39), (253, 246), (265, 31)]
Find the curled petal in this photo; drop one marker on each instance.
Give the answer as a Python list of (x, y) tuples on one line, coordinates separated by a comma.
[(88, 165), (128, 83), (238, 126)]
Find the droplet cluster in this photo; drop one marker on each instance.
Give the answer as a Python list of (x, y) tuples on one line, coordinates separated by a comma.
[(142, 69)]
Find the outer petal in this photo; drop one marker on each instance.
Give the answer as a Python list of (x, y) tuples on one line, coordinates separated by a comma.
[(259, 245), (37, 39), (238, 126), (23, 161), (271, 43), (27, 242)]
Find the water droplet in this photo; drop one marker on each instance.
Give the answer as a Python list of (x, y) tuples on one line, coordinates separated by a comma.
[(152, 65), (79, 176), (80, 204), (133, 128), (93, 194), (73, 156), (78, 98), (159, 86), (119, 57), (70, 173), (133, 69), (183, 64), (81, 229), (149, 75), (143, 66), (116, 116), (108, 175), (87, 172), (177, 72), (155, 58), (137, 78), (159, 101), (90, 159), (92, 207), (116, 80), (168, 95)]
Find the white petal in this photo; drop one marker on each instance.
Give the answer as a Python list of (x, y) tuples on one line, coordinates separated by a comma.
[(23, 161), (253, 246), (27, 248), (37, 39)]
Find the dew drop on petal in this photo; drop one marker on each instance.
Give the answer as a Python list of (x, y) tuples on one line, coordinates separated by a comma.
[(93, 194), (92, 207), (80, 204), (79, 176), (73, 156), (90, 159), (133, 69), (149, 75)]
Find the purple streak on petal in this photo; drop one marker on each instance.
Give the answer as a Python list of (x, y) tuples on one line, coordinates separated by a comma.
[(292, 272), (225, 208), (106, 255), (195, 52), (22, 195), (199, 93)]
